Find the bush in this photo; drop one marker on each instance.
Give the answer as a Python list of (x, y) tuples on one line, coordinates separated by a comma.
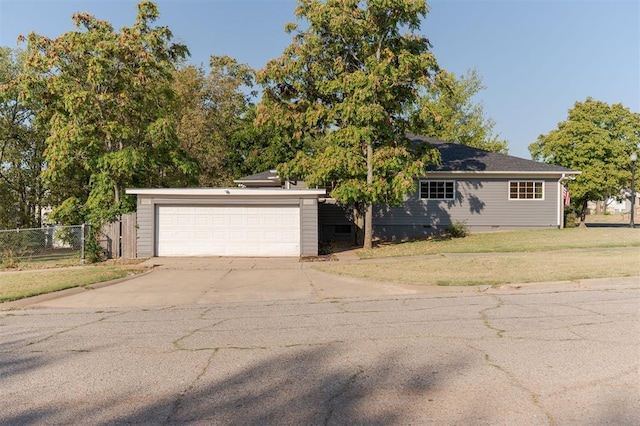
[(458, 230), (570, 220)]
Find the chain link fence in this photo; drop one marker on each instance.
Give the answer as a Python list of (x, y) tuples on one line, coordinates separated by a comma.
[(49, 243)]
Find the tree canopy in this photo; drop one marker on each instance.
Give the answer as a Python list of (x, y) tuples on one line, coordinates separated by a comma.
[(22, 146), (447, 111), (342, 88), (211, 111), (107, 102), (596, 139)]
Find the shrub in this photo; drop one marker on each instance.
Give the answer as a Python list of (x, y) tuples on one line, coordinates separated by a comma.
[(458, 230), (570, 220)]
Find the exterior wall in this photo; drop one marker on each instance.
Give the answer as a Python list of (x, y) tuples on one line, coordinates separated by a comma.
[(482, 204), (309, 227), (332, 215), (147, 212), (146, 219)]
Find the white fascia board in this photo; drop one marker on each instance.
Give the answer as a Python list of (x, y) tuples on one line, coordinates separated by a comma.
[(263, 192), (501, 174)]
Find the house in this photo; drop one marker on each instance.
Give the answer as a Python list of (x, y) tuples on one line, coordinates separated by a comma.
[(486, 191), (271, 216)]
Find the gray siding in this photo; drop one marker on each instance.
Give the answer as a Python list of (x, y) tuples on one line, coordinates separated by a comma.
[(331, 215), (145, 220), (482, 204), (147, 216), (308, 227)]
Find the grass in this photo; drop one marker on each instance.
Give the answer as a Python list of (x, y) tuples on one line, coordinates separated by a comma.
[(512, 242), (502, 258), (496, 268), (18, 285)]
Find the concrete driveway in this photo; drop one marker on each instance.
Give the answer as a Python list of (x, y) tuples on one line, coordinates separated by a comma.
[(188, 281), (205, 280)]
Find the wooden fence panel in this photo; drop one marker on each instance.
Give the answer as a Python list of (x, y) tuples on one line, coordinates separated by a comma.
[(129, 236), (118, 238)]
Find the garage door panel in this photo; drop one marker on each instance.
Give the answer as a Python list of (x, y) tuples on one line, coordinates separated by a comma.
[(228, 231)]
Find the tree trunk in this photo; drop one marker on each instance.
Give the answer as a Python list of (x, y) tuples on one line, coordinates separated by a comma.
[(583, 214), (368, 218), (358, 220)]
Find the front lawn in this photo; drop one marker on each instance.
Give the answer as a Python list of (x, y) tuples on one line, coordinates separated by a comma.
[(18, 285), (512, 241), (501, 258)]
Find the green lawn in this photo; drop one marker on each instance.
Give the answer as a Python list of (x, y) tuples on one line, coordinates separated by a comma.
[(513, 241), (501, 258), (18, 285)]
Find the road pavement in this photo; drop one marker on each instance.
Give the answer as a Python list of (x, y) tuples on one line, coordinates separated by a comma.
[(566, 353)]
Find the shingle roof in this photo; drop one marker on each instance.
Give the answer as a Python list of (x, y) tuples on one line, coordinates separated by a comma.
[(462, 158), (266, 177)]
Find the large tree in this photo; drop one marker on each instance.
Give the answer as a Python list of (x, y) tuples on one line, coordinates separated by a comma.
[(447, 111), (343, 88), (106, 97), (212, 110), (596, 139), (21, 149)]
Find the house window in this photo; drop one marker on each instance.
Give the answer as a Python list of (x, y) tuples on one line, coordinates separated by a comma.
[(526, 190), (437, 189), (342, 229)]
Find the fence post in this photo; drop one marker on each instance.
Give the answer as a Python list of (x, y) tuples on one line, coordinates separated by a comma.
[(82, 240)]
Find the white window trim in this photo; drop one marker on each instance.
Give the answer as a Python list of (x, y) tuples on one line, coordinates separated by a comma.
[(526, 181), (436, 180)]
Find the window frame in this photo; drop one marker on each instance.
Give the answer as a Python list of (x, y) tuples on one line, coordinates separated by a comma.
[(429, 191), (520, 191)]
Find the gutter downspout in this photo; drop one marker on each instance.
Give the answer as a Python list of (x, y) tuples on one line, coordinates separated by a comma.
[(561, 200)]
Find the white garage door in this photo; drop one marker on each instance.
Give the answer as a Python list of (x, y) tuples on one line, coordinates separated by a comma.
[(228, 231)]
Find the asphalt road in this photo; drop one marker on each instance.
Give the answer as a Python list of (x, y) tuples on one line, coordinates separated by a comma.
[(534, 356)]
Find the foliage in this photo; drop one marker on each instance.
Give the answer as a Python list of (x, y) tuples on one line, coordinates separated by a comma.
[(457, 230), (446, 111), (22, 146), (570, 220), (596, 139), (211, 113), (106, 98), (9, 259), (93, 251), (256, 148), (342, 89)]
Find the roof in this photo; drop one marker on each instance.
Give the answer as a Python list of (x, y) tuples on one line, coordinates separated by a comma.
[(457, 158), (266, 178)]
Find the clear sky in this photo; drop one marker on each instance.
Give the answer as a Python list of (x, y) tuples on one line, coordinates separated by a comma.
[(536, 57)]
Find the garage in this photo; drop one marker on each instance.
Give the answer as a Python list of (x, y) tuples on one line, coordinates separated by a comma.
[(227, 222), (228, 231)]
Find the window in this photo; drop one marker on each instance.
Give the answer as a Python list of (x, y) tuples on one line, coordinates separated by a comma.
[(526, 190), (342, 229), (437, 189)]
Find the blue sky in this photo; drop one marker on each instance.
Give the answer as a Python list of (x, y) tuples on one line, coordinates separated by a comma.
[(536, 57)]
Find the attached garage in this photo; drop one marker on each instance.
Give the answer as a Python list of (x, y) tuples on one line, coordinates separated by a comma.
[(227, 222)]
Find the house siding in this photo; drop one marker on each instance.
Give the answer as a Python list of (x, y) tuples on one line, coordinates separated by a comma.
[(147, 216), (308, 227), (482, 204), (331, 214), (145, 219)]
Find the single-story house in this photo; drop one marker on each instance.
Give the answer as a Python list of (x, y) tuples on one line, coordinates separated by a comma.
[(484, 190), (271, 216)]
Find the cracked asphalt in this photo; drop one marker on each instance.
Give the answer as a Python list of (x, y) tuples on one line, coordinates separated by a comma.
[(534, 355)]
